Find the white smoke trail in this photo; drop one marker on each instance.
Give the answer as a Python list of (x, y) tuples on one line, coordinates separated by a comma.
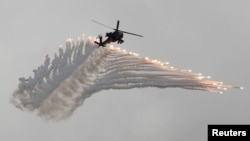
[(59, 86)]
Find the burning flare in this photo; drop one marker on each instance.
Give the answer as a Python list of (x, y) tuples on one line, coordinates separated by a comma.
[(59, 86)]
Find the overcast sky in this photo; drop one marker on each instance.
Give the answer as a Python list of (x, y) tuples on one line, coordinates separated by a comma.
[(211, 37)]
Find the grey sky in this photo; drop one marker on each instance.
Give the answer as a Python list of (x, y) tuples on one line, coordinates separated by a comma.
[(211, 37)]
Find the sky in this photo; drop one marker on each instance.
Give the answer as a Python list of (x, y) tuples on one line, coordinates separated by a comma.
[(211, 37)]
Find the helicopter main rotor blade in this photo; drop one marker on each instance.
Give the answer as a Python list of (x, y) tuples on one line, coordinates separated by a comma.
[(132, 33), (117, 25), (102, 24)]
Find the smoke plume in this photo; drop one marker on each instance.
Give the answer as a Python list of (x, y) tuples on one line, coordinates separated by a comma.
[(60, 86)]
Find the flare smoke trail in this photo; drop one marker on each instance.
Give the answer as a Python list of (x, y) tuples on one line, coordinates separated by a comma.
[(59, 86)]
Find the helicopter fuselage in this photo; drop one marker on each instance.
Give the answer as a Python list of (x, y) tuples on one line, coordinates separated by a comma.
[(114, 36)]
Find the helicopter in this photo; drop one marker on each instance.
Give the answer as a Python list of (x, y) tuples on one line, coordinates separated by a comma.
[(117, 35)]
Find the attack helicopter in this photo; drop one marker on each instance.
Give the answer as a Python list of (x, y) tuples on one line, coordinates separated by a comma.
[(115, 36)]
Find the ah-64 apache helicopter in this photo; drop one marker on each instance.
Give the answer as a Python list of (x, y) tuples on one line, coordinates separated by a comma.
[(117, 35)]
